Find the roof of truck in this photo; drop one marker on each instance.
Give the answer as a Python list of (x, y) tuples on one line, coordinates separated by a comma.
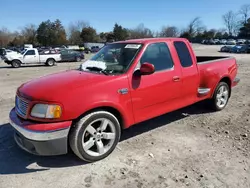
[(147, 40)]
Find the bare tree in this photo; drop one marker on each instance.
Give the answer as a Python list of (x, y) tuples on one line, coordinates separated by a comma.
[(5, 37), (169, 31), (29, 33), (74, 31), (140, 32), (230, 21), (245, 12), (195, 26)]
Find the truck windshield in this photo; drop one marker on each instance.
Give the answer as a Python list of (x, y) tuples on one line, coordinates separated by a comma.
[(113, 58), (23, 51)]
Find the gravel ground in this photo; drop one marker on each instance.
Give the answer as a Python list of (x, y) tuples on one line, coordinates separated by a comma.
[(191, 147)]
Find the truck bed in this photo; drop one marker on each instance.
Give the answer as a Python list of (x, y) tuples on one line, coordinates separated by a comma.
[(212, 68), (208, 59)]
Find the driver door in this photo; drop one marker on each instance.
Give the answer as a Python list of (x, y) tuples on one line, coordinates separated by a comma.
[(30, 57), (158, 93)]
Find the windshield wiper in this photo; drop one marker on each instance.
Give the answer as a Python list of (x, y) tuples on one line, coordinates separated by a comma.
[(97, 69)]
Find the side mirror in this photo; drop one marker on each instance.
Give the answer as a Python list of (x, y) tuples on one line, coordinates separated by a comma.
[(147, 69)]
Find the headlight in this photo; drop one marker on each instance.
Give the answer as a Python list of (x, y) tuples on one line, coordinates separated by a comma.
[(46, 111)]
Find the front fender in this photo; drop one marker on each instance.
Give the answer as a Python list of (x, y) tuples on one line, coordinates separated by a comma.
[(127, 117), (103, 93)]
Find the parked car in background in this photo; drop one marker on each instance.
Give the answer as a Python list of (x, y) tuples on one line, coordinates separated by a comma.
[(71, 55), (10, 52), (48, 51), (2, 52), (87, 108), (225, 48), (95, 49), (235, 49), (87, 50), (243, 48), (31, 56), (223, 41), (247, 42), (217, 41), (212, 41), (16, 49), (231, 42), (240, 41)]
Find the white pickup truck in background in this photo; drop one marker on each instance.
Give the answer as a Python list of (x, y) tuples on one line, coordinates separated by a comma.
[(32, 56)]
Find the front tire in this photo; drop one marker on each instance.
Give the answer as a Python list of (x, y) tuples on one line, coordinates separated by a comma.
[(220, 97), (15, 63), (95, 136)]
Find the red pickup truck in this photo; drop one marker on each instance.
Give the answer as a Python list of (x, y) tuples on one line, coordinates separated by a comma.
[(123, 84)]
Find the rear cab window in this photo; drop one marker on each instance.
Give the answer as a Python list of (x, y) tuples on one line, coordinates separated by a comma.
[(183, 54)]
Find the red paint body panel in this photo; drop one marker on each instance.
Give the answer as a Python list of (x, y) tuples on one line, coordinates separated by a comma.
[(148, 96), (212, 73)]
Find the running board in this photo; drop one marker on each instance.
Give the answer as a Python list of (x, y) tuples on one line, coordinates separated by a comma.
[(203, 91)]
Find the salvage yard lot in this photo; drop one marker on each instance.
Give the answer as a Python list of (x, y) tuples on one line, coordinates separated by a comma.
[(191, 147)]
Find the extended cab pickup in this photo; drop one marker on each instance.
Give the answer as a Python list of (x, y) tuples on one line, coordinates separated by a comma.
[(32, 56), (123, 84)]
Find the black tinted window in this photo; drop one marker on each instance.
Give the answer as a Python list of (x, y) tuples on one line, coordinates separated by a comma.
[(30, 52), (183, 53), (158, 54)]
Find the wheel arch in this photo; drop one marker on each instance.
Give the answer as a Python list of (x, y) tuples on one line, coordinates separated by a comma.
[(109, 109), (17, 60), (227, 80), (51, 58)]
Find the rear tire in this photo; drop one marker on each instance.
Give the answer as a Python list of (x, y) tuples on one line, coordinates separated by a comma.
[(15, 63), (50, 62), (95, 136), (220, 97)]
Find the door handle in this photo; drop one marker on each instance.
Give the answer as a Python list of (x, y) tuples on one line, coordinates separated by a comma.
[(176, 79)]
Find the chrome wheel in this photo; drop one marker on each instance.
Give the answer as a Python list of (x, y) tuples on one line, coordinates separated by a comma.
[(222, 96), (99, 137), (50, 62)]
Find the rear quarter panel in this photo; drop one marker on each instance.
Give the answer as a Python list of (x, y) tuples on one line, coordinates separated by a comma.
[(212, 72), (45, 57)]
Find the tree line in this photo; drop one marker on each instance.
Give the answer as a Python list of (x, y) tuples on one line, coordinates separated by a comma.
[(236, 25)]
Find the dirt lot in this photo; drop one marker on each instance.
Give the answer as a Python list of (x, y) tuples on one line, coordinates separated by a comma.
[(191, 147)]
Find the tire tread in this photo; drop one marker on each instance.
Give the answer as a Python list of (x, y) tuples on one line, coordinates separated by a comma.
[(73, 136)]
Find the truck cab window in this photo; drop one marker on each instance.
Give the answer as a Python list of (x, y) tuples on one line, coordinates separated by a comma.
[(159, 55), (30, 52), (183, 54)]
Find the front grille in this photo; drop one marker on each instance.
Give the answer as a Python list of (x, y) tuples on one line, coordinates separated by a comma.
[(21, 106)]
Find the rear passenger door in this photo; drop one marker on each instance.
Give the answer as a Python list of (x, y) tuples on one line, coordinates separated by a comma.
[(158, 93), (190, 75)]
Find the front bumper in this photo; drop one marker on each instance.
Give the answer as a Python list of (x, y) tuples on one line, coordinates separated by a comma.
[(50, 142), (7, 61)]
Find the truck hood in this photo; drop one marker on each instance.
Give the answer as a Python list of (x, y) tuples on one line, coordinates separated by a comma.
[(14, 56), (54, 86)]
